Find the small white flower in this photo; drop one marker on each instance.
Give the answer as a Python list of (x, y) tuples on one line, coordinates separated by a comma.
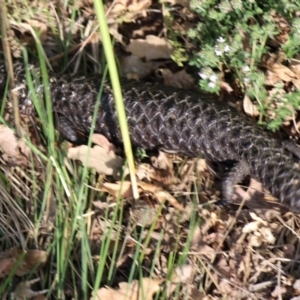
[(213, 78), (220, 40), (246, 69), (246, 79), (212, 85), (218, 52), (202, 75), (226, 48)]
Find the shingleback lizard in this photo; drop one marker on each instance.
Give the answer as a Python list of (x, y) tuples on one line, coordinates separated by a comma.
[(187, 122)]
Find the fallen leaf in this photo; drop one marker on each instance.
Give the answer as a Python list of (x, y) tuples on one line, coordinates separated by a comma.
[(282, 72), (161, 170), (206, 251), (14, 150), (225, 288), (271, 78), (163, 196), (40, 27), (249, 108), (255, 217), (138, 5), (122, 189), (279, 291), (125, 191), (102, 141), (134, 67), (284, 29), (150, 48), (131, 6), (251, 227), (179, 79), (296, 83), (226, 87), (160, 194), (135, 290), (183, 3), (267, 235), (26, 261), (126, 11), (296, 285), (182, 274), (104, 162), (26, 30), (23, 291), (255, 240), (295, 67)]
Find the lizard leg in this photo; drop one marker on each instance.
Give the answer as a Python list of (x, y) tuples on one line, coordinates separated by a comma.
[(237, 173)]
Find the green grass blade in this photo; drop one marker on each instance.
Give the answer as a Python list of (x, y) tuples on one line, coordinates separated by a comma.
[(112, 67)]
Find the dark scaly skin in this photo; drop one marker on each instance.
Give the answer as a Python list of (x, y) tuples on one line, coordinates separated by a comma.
[(189, 123)]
